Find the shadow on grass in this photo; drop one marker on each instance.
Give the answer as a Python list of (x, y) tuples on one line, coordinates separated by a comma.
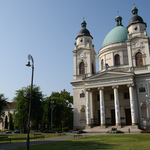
[(71, 145), (17, 138)]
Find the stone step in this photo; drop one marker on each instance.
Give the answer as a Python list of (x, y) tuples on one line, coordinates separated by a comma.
[(105, 129)]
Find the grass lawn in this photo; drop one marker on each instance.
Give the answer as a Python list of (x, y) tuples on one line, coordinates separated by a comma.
[(99, 142), (23, 137)]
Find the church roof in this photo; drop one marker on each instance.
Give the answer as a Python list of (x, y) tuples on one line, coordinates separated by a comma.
[(84, 31), (135, 18), (11, 105), (116, 35)]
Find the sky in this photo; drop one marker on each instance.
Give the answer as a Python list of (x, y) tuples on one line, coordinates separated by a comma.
[(47, 29)]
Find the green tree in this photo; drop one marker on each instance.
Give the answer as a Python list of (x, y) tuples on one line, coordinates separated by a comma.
[(6, 122), (3, 102), (62, 109), (11, 124), (22, 112)]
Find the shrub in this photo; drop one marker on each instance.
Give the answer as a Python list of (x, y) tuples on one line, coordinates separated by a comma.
[(77, 129), (113, 128), (65, 129), (145, 131)]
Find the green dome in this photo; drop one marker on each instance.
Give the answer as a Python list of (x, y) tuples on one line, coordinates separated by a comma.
[(116, 35)]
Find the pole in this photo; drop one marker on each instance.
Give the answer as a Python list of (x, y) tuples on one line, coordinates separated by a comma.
[(28, 138), (51, 115)]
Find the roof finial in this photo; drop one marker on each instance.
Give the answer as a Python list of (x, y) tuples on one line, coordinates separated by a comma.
[(118, 13), (83, 18)]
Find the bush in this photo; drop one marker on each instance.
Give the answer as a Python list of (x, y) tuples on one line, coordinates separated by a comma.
[(77, 129), (113, 128), (145, 131), (114, 131), (66, 129)]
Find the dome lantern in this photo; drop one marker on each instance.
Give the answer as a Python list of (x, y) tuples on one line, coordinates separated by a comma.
[(134, 11), (83, 24), (118, 20)]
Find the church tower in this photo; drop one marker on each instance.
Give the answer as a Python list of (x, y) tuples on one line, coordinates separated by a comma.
[(138, 41), (84, 54)]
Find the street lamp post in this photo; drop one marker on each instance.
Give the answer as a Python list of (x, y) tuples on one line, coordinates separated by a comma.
[(28, 65)]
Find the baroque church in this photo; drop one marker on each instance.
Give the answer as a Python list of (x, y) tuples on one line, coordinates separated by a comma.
[(119, 94)]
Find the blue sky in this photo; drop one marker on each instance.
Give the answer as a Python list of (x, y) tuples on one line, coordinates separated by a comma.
[(47, 29)]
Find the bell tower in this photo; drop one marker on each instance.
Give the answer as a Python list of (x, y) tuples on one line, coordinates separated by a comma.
[(138, 41), (84, 54)]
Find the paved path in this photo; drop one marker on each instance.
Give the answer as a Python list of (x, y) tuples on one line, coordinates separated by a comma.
[(42, 141)]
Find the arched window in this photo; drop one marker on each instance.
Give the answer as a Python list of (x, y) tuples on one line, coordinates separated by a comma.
[(117, 60), (92, 68), (102, 64), (139, 59), (81, 68)]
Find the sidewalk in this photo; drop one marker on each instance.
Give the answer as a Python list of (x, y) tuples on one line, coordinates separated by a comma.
[(42, 141)]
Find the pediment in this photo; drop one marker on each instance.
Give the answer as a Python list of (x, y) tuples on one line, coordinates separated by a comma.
[(109, 75)]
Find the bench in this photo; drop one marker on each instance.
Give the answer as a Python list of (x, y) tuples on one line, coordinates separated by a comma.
[(38, 135), (77, 134), (5, 138)]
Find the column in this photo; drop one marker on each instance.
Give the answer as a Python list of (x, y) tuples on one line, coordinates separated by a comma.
[(116, 101), (88, 116), (102, 107), (132, 105)]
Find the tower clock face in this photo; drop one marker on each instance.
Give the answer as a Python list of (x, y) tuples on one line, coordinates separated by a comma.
[(137, 44), (81, 55)]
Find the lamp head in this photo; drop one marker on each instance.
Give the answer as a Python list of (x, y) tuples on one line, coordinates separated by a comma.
[(28, 64)]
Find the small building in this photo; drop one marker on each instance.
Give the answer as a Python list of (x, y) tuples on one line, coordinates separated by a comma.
[(119, 94), (10, 108)]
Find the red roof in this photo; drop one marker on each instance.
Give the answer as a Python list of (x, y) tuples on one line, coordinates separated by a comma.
[(11, 105)]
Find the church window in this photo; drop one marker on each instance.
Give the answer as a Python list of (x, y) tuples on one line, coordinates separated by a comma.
[(126, 95), (98, 98), (117, 60), (92, 68), (142, 89), (135, 28), (82, 95), (81, 68), (111, 96), (102, 64), (139, 59)]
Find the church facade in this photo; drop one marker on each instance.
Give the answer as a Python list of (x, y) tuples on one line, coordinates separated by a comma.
[(119, 94)]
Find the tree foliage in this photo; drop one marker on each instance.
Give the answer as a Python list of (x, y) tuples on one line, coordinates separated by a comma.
[(6, 122), (3, 102), (11, 124), (22, 112), (62, 109)]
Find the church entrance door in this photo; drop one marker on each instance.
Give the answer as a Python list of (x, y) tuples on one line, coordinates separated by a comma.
[(113, 120), (128, 116)]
